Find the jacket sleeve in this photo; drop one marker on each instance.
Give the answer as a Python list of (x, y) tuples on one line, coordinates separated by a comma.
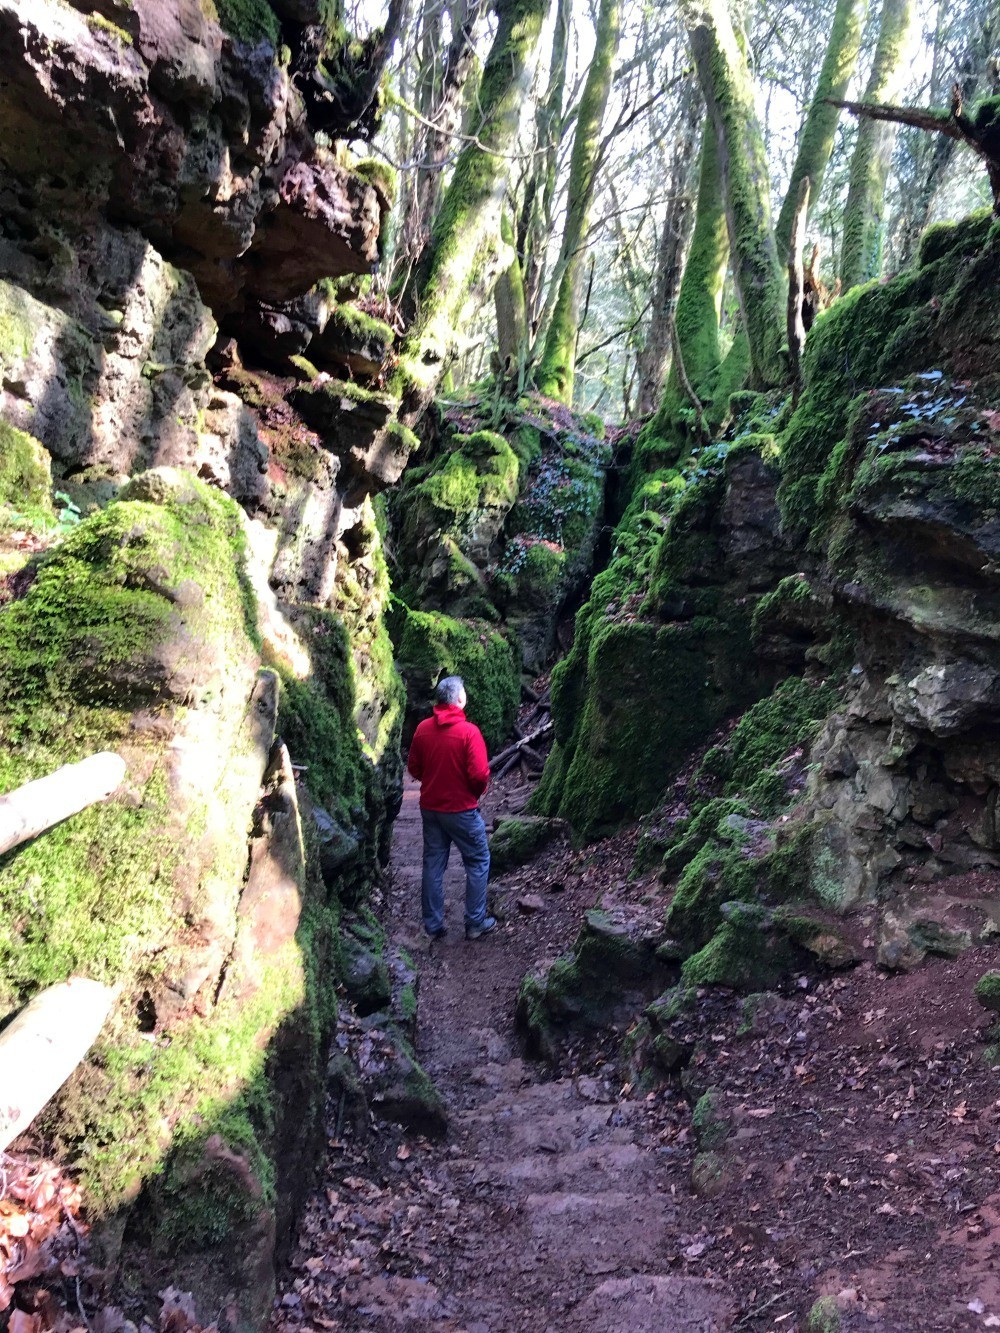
[(415, 759), (478, 766)]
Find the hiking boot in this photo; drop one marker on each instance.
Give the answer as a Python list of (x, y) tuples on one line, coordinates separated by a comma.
[(438, 934), (486, 927)]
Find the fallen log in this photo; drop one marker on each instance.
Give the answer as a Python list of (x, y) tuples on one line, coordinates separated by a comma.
[(514, 750), (43, 1045), (35, 807)]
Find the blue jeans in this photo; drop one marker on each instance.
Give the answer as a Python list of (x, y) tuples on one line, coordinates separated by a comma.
[(468, 832)]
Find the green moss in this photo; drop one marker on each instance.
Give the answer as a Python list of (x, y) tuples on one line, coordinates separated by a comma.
[(17, 331), (710, 1125), (988, 991), (25, 470), (249, 21), (432, 645), (824, 1317), (317, 716), (384, 177), (746, 953), (966, 237), (98, 23), (516, 840), (355, 326)]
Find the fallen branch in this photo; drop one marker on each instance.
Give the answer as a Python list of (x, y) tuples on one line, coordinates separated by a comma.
[(38, 805), (43, 1045), (953, 123), (514, 751)]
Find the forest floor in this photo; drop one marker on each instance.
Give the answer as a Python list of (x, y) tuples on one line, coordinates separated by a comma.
[(863, 1166)]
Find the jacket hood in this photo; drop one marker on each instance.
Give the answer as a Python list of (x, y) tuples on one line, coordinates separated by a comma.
[(446, 715)]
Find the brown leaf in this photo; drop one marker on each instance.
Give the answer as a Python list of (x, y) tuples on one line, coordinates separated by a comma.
[(20, 1322)]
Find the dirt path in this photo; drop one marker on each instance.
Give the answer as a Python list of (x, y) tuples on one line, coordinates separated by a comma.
[(559, 1192), (860, 1165)]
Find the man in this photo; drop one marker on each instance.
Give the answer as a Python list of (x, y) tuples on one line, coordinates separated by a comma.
[(448, 758)]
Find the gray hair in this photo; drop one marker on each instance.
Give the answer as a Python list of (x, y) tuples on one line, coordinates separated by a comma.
[(449, 690)]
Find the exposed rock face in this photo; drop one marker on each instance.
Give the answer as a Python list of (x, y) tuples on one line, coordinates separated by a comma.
[(854, 546), (224, 591)]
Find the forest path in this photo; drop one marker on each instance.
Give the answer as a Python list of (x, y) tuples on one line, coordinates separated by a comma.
[(556, 1195)]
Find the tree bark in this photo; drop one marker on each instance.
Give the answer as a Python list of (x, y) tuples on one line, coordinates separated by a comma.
[(442, 102), (654, 357), (820, 125), (537, 213), (35, 807), (861, 252), (699, 302), (462, 263), (43, 1045), (555, 372), (728, 92), (511, 311)]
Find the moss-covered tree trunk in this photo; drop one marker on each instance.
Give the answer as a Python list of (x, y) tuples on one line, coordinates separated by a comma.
[(555, 372), (728, 92), (539, 197), (861, 253), (699, 301), (654, 357), (461, 265), (820, 125), (440, 97), (812, 156), (512, 318)]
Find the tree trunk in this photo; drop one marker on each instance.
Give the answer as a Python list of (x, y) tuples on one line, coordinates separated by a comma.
[(442, 102), (555, 373), (512, 319), (43, 1045), (654, 356), (38, 805), (699, 302), (757, 272), (820, 125), (461, 265), (815, 145), (861, 253), (539, 200), (796, 328)]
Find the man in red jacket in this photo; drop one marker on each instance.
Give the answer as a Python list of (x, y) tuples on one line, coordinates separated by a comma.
[(448, 759)]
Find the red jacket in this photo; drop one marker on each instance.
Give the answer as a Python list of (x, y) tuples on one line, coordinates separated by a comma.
[(448, 759)]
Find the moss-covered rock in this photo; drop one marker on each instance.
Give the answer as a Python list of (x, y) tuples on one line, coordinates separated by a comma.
[(517, 839), (613, 962), (25, 471), (430, 645), (988, 991)]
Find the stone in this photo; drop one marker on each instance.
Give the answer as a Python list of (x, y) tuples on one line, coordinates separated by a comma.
[(529, 903), (327, 224), (395, 1085), (652, 1303), (365, 976)]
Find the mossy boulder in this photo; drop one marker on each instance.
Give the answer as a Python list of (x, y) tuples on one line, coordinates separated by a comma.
[(613, 963), (518, 839), (988, 991), (25, 471), (749, 952), (431, 645), (138, 634)]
